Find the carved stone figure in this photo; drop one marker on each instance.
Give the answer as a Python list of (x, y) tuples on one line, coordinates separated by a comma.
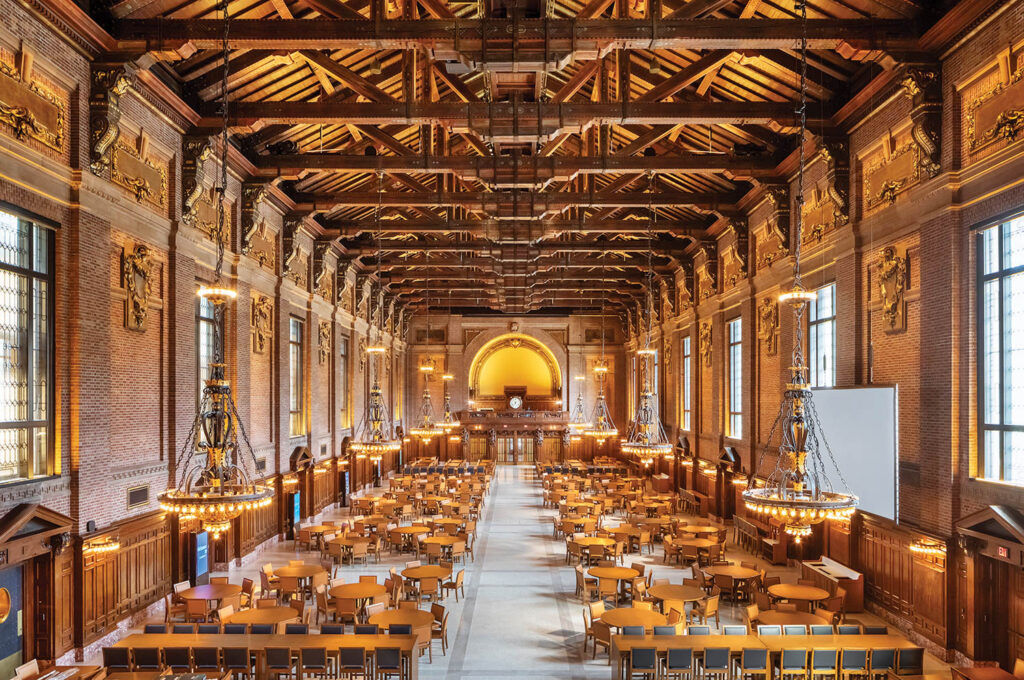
[(768, 325), (892, 284), (324, 342), (136, 271), (704, 339), (261, 314)]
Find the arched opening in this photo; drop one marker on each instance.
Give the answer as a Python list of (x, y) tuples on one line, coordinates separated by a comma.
[(515, 365)]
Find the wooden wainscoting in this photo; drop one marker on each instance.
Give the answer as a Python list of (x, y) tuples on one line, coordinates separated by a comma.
[(323, 486), (913, 587), (117, 584), (259, 525)]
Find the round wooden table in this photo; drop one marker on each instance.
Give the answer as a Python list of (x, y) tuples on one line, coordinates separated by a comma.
[(349, 541), (265, 615), (590, 541), (449, 521), (793, 591), (320, 528), (672, 592), (426, 571), (777, 618), (701, 529), (698, 543), (625, 530), (299, 571), (412, 531), (440, 540), (627, 616), (357, 591), (618, 573), (417, 618), (734, 570), (212, 591)]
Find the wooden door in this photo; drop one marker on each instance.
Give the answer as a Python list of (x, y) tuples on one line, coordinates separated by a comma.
[(993, 581)]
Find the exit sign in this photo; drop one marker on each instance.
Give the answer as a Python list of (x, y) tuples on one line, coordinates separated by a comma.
[(1002, 551)]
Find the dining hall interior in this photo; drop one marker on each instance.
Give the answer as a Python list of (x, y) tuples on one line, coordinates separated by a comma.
[(464, 339)]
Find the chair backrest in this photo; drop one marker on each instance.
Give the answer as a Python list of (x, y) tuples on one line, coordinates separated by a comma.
[(854, 659), (716, 658), (910, 659), (698, 630), (792, 629), (266, 603), (633, 630), (734, 630), (208, 628), (296, 629), (332, 629), (883, 659), (234, 628), (261, 629), (313, 657), (146, 658), (183, 629), (794, 658), (388, 658), (665, 630), (754, 659), (821, 630), (154, 628), (27, 670), (278, 657), (876, 630), (824, 659), (399, 629), (679, 658), (367, 578), (205, 657), (643, 658), (177, 657), (219, 580), (352, 657), (366, 629), (848, 629), (763, 629)]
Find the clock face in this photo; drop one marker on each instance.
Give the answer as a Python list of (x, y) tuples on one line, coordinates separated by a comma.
[(515, 402)]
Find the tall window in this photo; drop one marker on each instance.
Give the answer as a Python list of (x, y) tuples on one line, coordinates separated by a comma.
[(343, 381), (296, 403), (821, 326), (1001, 346), (26, 348), (207, 339), (735, 429), (687, 396)]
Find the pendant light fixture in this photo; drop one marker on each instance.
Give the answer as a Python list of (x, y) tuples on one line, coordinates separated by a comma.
[(646, 438), (798, 491), (448, 420), (218, 487), (375, 435), (601, 426), (578, 418), (427, 429)]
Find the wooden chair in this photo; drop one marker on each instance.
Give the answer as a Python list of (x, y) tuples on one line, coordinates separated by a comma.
[(853, 662), (602, 635), (714, 662), (824, 663), (753, 663), (457, 586), (792, 662), (219, 580), (704, 612), (678, 663), (313, 662), (439, 627), (608, 587), (279, 662), (172, 610), (28, 670), (643, 663), (290, 587), (197, 610), (430, 588)]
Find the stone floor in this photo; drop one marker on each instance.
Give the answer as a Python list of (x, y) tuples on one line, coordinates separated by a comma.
[(520, 618)]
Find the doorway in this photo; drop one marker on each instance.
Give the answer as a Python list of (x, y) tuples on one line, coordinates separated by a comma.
[(11, 621), (515, 450), (1000, 606)]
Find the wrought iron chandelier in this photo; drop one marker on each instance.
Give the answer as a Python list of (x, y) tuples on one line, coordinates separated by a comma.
[(217, 488), (448, 420), (578, 418), (798, 491), (646, 438), (375, 434), (427, 429), (601, 426)]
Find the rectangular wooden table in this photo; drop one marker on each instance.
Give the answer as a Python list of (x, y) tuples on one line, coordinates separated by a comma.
[(776, 643), (81, 672), (258, 643), (981, 673)]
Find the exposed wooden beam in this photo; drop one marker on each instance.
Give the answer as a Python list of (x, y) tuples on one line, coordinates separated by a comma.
[(350, 78), (456, 84), (495, 228), (697, 8), (686, 76), (578, 80)]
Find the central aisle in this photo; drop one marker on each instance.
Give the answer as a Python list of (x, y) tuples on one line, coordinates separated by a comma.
[(520, 617)]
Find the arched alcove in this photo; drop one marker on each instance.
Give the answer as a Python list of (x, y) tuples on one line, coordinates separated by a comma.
[(515, 360)]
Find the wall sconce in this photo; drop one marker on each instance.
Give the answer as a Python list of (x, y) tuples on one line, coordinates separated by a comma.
[(103, 545), (928, 547)]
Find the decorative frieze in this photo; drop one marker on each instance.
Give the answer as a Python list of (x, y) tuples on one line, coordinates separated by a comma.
[(133, 169), (890, 170), (997, 111)]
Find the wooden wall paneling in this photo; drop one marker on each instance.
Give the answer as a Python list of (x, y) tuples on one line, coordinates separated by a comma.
[(259, 525), (323, 486), (63, 601)]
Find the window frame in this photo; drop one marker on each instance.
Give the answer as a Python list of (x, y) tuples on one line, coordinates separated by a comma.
[(202, 320), (50, 464), (686, 396), (981, 278), (297, 378), (343, 391), (812, 324), (734, 418)]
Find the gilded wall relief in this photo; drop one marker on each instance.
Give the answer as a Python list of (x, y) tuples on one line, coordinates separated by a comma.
[(364, 294), (685, 286), (346, 286), (206, 215), (995, 111), (734, 256), (892, 287), (324, 342), (133, 168), (296, 260), (771, 241), (195, 151), (768, 325), (259, 241), (136, 275), (889, 170), (29, 107), (923, 84), (261, 321), (704, 342), (707, 272), (323, 269), (667, 296), (362, 354), (827, 207), (109, 83)]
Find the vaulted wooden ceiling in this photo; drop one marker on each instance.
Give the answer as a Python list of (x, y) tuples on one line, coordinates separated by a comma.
[(520, 155)]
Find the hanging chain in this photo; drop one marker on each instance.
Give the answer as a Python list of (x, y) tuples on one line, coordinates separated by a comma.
[(222, 226), (801, 110)]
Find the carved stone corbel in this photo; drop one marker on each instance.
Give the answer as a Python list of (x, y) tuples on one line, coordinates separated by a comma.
[(923, 85), (362, 354), (344, 286), (195, 151), (707, 274), (363, 291), (685, 285), (322, 283), (253, 195), (735, 256), (836, 155), (109, 82), (777, 225), (667, 293)]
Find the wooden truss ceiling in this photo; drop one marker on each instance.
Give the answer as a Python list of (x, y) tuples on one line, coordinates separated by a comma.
[(519, 175)]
